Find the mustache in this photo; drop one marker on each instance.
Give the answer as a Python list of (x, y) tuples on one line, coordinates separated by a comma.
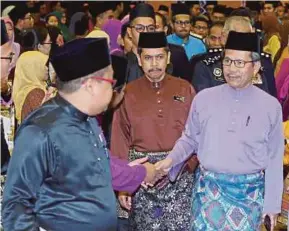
[(155, 69)]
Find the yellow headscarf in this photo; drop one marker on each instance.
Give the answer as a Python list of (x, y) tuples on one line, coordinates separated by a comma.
[(30, 73)]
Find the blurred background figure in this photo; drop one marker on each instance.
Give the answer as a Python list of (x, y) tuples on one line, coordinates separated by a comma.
[(113, 28), (219, 14), (200, 27), (22, 20), (214, 38), (272, 38)]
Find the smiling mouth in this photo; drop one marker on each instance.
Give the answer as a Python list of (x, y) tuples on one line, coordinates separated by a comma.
[(234, 77)]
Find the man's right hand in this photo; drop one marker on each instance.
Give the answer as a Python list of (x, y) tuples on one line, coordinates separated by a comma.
[(164, 165), (124, 200)]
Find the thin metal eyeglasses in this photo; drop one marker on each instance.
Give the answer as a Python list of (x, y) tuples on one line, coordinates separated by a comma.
[(238, 62)]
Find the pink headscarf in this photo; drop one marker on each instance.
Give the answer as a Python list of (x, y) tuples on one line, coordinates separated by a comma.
[(10, 46), (282, 81)]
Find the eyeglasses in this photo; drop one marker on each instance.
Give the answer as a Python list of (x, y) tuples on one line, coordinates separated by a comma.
[(201, 27), (111, 81), (182, 23), (238, 62), (141, 28)]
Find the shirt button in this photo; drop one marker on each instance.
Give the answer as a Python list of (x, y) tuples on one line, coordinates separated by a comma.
[(233, 122), (159, 101), (160, 111), (235, 111), (90, 132), (158, 92), (237, 100), (94, 145), (98, 159)]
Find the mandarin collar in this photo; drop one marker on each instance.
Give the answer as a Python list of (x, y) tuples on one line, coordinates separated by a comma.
[(69, 108), (239, 93), (156, 85), (179, 39)]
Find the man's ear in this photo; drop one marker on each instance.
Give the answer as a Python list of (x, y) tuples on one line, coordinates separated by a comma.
[(129, 32), (257, 67), (138, 59), (169, 57), (120, 40), (88, 86), (166, 29)]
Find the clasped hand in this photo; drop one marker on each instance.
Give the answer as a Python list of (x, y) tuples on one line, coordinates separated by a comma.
[(154, 172)]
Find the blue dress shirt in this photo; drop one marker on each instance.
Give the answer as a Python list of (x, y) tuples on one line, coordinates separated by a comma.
[(59, 175), (192, 46)]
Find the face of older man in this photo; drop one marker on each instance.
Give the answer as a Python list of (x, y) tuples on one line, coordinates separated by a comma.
[(239, 68)]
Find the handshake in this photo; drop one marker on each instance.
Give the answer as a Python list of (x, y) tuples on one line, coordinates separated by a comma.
[(154, 172)]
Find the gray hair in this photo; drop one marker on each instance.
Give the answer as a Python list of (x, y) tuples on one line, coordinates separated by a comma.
[(235, 22), (255, 56), (74, 85)]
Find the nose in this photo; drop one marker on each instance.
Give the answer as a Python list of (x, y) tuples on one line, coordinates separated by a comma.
[(154, 61), (218, 43), (233, 68)]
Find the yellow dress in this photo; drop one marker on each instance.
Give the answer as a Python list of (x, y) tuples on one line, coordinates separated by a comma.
[(273, 46)]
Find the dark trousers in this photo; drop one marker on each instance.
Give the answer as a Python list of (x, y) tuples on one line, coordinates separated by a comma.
[(122, 224)]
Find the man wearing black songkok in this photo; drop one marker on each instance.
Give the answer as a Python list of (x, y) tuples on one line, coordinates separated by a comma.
[(147, 124), (61, 175)]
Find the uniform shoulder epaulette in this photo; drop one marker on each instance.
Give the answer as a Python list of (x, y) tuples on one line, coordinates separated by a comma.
[(212, 56), (265, 55)]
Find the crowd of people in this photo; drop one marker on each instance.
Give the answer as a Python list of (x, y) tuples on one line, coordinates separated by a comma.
[(120, 116)]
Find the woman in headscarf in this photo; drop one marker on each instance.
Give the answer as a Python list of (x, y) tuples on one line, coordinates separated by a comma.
[(7, 108), (10, 48), (57, 19), (9, 54), (272, 39), (30, 89), (113, 29)]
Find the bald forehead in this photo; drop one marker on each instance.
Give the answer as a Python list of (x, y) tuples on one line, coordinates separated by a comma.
[(242, 27)]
